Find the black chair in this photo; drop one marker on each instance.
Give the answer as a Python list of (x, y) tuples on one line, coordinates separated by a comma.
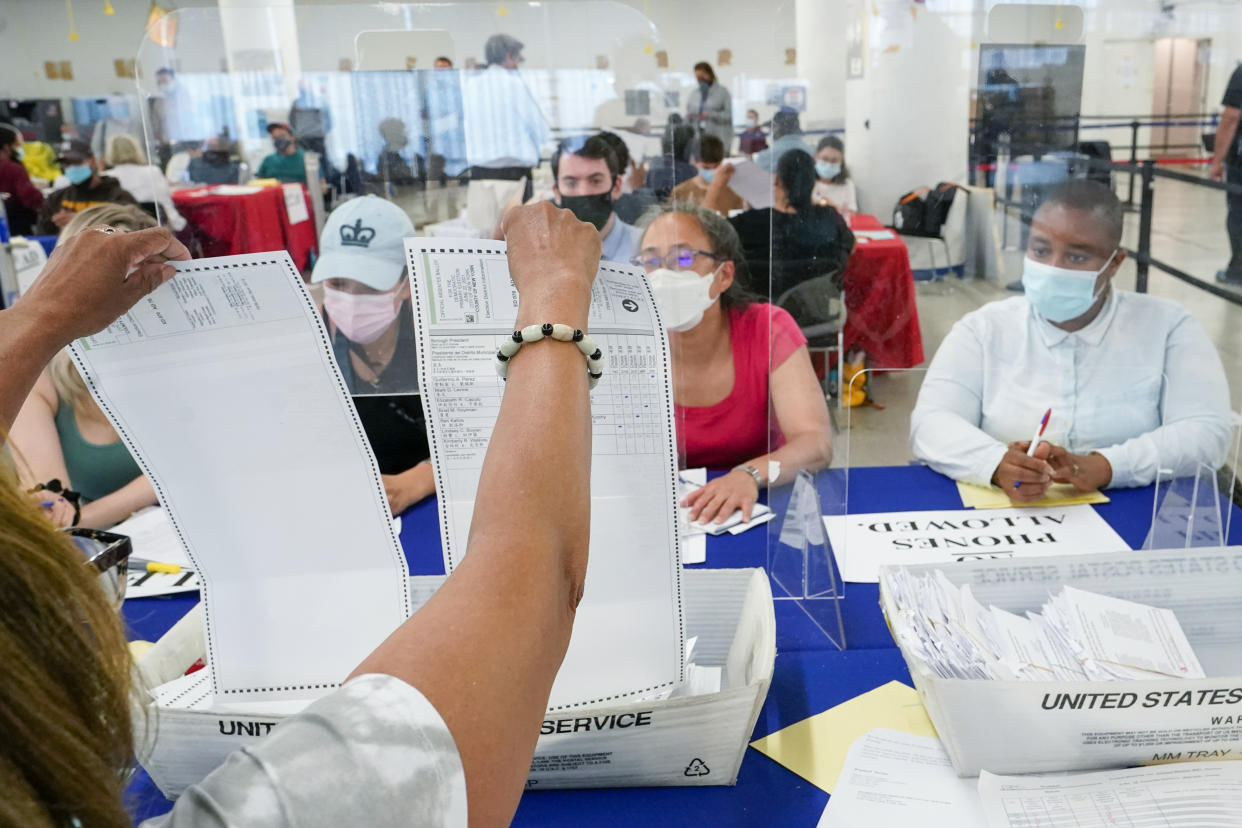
[(817, 304)]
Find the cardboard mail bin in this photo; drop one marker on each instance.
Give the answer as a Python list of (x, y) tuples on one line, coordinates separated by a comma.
[(690, 740), (1031, 727)]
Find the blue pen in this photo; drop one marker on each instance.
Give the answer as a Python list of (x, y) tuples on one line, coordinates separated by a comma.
[(1039, 432)]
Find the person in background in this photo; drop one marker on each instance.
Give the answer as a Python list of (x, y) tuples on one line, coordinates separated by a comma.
[(22, 199), (452, 700), (673, 166), (753, 139), (707, 157), (443, 62), (87, 188), (214, 165), (1227, 165), (288, 163), (633, 201), (786, 136), (391, 167), (709, 107), (734, 361), (794, 239), (505, 129), (834, 187), (366, 309), (128, 164), (1132, 380), (587, 179), (62, 434)]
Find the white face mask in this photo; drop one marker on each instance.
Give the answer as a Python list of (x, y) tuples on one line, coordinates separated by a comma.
[(682, 296), (1058, 293), (362, 317)]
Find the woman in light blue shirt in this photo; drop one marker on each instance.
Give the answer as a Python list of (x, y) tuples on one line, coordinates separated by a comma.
[(1133, 382)]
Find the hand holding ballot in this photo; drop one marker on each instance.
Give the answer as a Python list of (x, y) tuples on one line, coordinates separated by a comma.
[(553, 258)]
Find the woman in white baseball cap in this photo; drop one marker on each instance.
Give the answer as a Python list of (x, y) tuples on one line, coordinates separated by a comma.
[(368, 315)]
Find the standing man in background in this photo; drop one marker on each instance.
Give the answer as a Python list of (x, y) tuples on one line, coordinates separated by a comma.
[(710, 107), (22, 199), (1227, 166), (505, 129)]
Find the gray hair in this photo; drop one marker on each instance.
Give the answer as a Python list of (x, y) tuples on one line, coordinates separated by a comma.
[(501, 46), (724, 241), (124, 149)]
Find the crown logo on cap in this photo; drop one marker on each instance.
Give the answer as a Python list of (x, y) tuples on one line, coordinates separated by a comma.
[(356, 235)]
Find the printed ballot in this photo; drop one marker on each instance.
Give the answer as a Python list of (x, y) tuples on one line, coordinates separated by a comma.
[(214, 380), (1078, 635), (1183, 795), (895, 780), (628, 636), (864, 543)]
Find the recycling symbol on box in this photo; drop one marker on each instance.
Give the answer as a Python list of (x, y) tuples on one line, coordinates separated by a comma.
[(697, 767)]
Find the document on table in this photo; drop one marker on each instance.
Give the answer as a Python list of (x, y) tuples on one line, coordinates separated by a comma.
[(1059, 494), (628, 638), (816, 747), (222, 384), (896, 780), (1181, 795), (295, 203), (752, 182), (864, 543)]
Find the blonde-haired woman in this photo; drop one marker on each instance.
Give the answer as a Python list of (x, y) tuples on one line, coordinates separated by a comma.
[(127, 163), (61, 433)]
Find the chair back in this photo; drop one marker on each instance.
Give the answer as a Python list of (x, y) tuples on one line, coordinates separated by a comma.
[(816, 304)]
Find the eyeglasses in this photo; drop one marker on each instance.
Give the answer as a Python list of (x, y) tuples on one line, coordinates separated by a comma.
[(109, 554), (681, 258)]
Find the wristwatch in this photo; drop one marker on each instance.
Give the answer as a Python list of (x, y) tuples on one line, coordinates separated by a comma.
[(753, 472)]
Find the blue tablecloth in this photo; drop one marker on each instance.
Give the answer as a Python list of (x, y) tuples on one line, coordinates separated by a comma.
[(810, 674)]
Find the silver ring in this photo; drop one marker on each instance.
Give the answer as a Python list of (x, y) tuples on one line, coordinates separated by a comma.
[(105, 229)]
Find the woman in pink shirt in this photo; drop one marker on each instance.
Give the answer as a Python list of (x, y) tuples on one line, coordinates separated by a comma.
[(746, 396)]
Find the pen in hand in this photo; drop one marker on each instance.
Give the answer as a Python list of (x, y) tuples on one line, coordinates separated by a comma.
[(1039, 432)]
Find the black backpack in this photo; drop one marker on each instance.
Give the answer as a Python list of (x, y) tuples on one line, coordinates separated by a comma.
[(923, 212)]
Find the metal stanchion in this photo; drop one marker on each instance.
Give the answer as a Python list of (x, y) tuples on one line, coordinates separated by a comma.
[(1144, 241), (1134, 128)]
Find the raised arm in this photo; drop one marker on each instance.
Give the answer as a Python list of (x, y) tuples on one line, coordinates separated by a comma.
[(486, 648), (90, 280)]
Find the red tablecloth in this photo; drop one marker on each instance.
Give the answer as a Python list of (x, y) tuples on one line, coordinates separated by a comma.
[(879, 292), (226, 224)]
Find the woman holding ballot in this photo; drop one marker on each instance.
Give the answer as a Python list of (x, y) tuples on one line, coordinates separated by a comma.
[(1133, 382), (734, 362), (366, 307)]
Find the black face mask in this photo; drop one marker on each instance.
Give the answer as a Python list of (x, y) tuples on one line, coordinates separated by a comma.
[(282, 144), (593, 209)]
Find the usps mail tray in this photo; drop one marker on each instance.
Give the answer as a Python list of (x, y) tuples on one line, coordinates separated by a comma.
[(1032, 727), (691, 740)]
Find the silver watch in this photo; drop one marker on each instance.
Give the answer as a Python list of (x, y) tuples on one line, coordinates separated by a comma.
[(753, 472)]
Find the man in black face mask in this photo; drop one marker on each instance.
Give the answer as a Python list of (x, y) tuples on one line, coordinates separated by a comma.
[(588, 179), (287, 163)]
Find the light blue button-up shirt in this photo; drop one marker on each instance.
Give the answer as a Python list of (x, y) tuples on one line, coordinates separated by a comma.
[(621, 243), (504, 126), (1142, 385)]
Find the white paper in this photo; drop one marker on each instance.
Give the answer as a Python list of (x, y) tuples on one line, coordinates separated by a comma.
[(295, 203), (629, 631), (864, 543), (223, 385), (752, 182), (897, 780), (1183, 795), (234, 189), (153, 537), (876, 235)]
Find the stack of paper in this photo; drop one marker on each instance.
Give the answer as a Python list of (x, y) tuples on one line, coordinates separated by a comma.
[(1078, 635)]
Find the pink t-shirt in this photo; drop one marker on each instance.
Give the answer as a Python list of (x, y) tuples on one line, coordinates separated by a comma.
[(741, 426)]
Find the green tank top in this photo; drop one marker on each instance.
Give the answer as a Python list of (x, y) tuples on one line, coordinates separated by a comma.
[(95, 470)]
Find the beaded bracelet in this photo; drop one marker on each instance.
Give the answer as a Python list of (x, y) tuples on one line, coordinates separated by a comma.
[(563, 333)]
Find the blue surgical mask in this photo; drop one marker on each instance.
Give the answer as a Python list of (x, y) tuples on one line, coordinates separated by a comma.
[(707, 175), (827, 169), (78, 173), (1058, 293)]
